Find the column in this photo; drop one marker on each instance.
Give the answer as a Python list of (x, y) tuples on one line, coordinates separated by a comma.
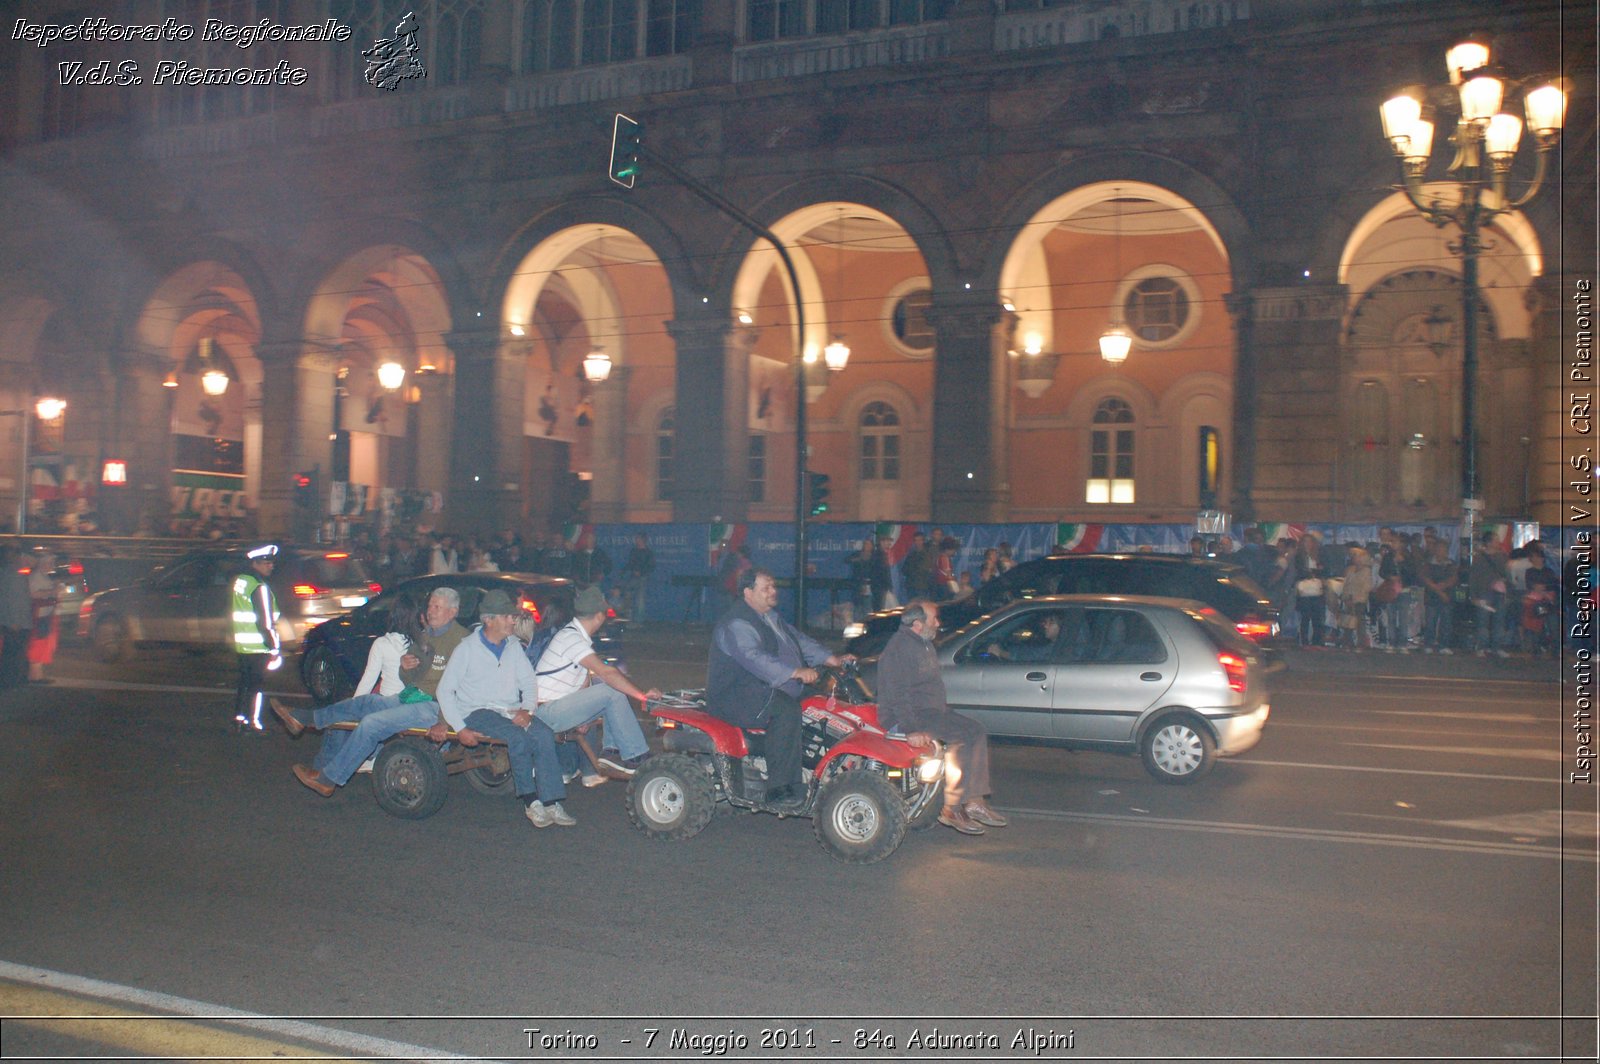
[(297, 397), (969, 412), (141, 436), (608, 491), (1242, 462), (713, 382), (1298, 368), (487, 453), (434, 421)]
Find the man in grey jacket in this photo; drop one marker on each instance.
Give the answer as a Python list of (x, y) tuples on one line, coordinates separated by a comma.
[(911, 698), (489, 689)]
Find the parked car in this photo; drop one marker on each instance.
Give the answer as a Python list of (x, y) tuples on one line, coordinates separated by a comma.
[(334, 653), (1171, 680), (1223, 586), (189, 601)]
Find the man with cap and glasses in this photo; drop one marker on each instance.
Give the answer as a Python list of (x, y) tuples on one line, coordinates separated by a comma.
[(255, 635), (569, 696), (489, 689)]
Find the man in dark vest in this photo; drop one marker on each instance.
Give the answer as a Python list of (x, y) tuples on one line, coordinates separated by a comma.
[(759, 665)]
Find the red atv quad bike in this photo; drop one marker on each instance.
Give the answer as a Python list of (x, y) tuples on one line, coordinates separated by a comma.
[(864, 787)]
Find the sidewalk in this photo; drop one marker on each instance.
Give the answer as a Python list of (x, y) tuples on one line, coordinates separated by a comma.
[(1462, 665)]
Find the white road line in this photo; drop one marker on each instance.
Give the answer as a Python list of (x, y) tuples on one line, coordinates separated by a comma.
[(1246, 762), (1410, 842), (347, 1041), (1536, 754), (124, 685)]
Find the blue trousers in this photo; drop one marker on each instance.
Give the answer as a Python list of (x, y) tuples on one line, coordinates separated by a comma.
[(380, 716), (535, 765)]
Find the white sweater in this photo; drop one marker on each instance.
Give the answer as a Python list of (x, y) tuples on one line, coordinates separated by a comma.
[(383, 665)]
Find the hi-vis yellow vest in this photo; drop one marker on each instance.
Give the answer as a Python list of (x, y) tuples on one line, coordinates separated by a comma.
[(247, 637)]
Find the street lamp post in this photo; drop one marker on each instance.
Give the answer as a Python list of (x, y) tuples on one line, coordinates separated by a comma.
[(1485, 141)]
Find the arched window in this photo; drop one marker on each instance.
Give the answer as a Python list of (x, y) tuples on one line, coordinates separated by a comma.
[(1419, 442), (1111, 440), (670, 26), (563, 50), (880, 442), (666, 430), (1369, 446)]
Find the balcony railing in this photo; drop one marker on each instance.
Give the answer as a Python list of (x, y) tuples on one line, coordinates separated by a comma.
[(824, 55), (1081, 23), (592, 84)]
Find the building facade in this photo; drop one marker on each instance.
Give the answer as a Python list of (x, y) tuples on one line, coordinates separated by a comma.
[(970, 194)]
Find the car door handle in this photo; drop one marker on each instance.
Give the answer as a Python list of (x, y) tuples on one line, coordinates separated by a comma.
[(1036, 677), (1150, 676)]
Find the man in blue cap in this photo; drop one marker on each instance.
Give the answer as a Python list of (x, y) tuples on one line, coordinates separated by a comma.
[(255, 635)]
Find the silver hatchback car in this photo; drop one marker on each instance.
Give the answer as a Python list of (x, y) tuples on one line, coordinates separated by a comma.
[(1169, 679)]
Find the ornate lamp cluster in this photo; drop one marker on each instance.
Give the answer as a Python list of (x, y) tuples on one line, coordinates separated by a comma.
[(1486, 139)]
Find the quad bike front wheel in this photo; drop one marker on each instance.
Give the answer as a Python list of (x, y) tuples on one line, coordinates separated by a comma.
[(670, 797), (860, 818)]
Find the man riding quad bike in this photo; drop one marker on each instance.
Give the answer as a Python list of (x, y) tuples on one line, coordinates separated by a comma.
[(863, 786)]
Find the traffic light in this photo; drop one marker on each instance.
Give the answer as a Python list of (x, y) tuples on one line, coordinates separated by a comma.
[(819, 493), (305, 490), (625, 137)]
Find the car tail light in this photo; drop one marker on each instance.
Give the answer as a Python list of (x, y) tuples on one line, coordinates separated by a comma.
[(337, 556), (74, 569), (533, 608), (309, 590), (1254, 628), (375, 588), (611, 614), (1234, 668)]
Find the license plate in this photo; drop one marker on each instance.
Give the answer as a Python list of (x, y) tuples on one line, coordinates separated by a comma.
[(350, 602)]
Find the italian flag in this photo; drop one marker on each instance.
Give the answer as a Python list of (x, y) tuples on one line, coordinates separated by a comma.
[(1078, 539), (899, 537), (1272, 531), (578, 537), (725, 532)]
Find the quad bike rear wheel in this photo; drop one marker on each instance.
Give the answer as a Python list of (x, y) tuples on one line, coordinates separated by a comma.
[(670, 797), (860, 818)]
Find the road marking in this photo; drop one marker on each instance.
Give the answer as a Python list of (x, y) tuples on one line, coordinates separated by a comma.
[(1470, 751), (1409, 842), (47, 990), (1248, 761), (125, 685), (1504, 718)]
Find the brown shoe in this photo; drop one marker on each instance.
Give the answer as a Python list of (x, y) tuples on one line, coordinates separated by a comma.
[(954, 816), (286, 715), (313, 779), (981, 812)]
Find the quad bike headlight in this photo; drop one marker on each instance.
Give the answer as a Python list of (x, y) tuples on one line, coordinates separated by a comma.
[(930, 768)]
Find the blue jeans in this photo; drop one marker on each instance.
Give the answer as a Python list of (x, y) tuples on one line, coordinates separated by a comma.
[(535, 766), (380, 716), (605, 702)]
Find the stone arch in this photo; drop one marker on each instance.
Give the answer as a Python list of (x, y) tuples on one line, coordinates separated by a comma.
[(1391, 236)]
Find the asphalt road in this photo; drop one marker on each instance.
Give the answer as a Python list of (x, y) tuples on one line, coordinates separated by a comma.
[(1397, 871)]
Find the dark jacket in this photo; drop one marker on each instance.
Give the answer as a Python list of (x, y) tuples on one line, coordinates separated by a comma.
[(733, 692), (910, 685)]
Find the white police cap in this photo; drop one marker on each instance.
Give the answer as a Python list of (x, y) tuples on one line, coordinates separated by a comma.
[(269, 550)]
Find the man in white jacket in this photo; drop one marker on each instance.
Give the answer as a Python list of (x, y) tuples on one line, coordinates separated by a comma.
[(393, 662), (489, 689)]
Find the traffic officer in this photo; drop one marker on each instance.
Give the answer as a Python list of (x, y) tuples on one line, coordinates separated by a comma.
[(255, 635)]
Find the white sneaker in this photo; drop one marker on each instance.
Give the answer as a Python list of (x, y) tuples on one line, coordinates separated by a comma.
[(538, 814), (366, 766), (592, 779), (568, 777), (559, 816)]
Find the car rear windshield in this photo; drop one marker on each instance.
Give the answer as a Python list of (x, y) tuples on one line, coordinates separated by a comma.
[(334, 569)]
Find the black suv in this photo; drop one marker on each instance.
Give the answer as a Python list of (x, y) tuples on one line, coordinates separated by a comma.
[(1225, 587)]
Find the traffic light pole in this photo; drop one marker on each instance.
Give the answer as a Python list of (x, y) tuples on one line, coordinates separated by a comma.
[(800, 426)]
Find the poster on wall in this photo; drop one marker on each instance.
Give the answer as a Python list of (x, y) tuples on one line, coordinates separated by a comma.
[(771, 395), (370, 407), (209, 495), (557, 406), (217, 417)]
